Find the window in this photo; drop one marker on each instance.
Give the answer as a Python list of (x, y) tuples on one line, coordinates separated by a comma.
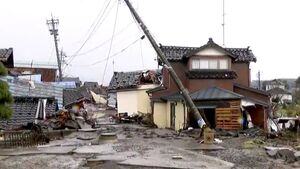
[(210, 64), (195, 64), (223, 64), (204, 64), (213, 64)]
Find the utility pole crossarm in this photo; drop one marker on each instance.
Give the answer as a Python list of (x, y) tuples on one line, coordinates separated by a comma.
[(201, 120)]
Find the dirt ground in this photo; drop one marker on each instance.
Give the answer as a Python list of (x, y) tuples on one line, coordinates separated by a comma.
[(137, 147)]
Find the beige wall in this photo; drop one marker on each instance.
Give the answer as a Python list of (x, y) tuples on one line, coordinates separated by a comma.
[(134, 101), (180, 114), (144, 105), (160, 114), (127, 101)]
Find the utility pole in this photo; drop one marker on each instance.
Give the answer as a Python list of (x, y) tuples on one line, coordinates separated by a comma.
[(259, 82), (223, 24), (201, 120), (52, 24)]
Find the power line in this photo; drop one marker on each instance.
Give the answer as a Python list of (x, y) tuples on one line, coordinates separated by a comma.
[(104, 42), (98, 24), (99, 15), (115, 54), (111, 42)]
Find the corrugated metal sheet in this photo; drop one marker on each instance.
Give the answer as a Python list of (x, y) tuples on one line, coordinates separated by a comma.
[(19, 87)]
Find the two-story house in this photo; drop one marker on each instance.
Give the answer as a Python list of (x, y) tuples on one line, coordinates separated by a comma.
[(218, 80)]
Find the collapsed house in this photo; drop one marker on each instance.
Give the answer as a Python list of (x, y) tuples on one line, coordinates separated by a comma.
[(130, 89), (218, 80), (89, 94)]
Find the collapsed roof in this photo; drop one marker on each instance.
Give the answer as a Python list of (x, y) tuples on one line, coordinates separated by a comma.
[(127, 80)]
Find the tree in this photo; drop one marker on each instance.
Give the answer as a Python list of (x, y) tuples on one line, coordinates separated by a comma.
[(5, 96)]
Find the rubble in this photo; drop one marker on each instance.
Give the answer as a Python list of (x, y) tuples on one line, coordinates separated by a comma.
[(286, 154)]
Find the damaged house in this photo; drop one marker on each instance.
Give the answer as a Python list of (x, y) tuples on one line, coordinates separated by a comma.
[(130, 89), (218, 80)]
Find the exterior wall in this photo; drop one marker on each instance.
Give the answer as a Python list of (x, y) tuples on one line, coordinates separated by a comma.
[(135, 100), (258, 116), (160, 114), (181, 116), (198, 84), (272, 86), (48, 75), (180, 69), (243, 72), (210, 52), (127, 101), (144, 104)]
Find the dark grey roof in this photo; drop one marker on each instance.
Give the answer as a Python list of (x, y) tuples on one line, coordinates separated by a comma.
[(24, 110), (278, 90), (176, 53), (71, 96), (211, 74), (91, 84), (127, 80), (212, 93), (123, 80), (5, 54)]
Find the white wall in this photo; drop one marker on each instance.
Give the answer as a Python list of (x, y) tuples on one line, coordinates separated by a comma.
[(210, 52)]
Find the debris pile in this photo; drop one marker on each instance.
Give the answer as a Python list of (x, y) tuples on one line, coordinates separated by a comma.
[(286, 154), (138, 118)]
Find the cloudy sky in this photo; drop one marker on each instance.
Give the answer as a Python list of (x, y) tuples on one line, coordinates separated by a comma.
[(270, 27)]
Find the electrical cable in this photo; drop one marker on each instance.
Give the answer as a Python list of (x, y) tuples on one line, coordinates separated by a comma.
[(98, 24), (111, 42)]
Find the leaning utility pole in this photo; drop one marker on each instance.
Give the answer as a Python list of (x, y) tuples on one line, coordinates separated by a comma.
[(52, 24), (201, 120)]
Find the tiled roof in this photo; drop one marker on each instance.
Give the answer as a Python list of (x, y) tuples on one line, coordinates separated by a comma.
[(91, 84), (24, 110), (176, 53), (71, 96), (212, 93), (123, 80), (127, 80), (5, 54), (211, 74)]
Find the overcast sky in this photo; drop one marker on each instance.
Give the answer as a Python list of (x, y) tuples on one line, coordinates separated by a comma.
[(270, 27)]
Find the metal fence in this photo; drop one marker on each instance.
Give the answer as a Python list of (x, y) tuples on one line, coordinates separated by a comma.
[(24, 138)]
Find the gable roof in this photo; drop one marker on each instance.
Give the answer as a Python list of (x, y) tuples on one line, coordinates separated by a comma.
[(212, 93), (177, 53), (24, 111)]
